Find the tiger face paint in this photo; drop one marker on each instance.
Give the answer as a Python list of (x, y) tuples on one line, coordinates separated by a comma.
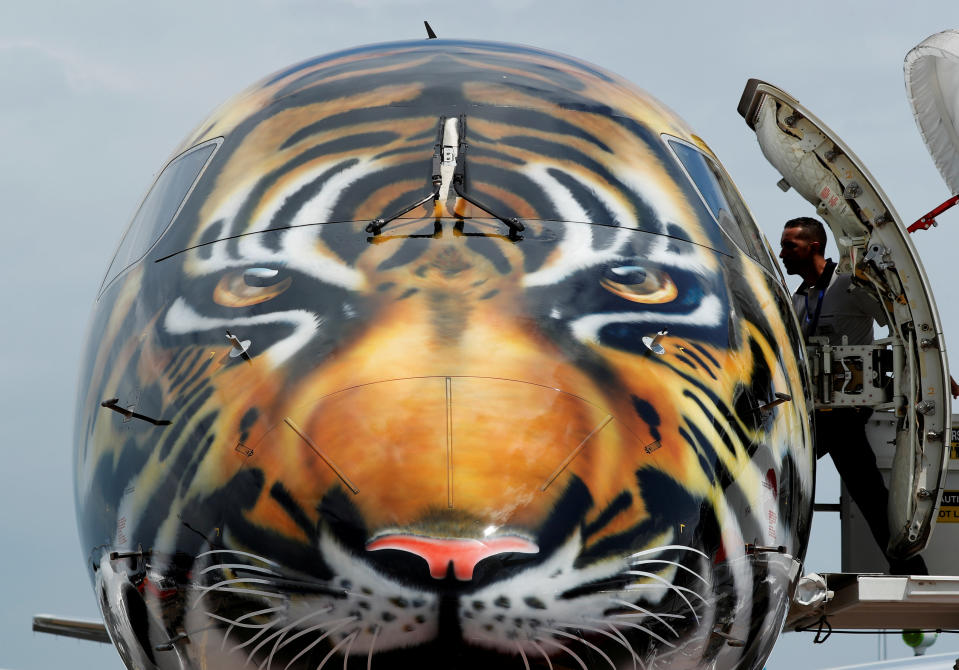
[(440, 441)]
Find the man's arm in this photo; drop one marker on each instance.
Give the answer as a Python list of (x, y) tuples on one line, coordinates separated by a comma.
[(867, 302)]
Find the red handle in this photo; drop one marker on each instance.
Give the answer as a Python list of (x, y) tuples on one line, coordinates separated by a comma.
[(929, 219)]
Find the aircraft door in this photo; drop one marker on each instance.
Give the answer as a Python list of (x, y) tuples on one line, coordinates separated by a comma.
[(905, 374)]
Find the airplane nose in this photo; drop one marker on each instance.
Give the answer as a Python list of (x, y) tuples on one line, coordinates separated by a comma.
[(494, 451)]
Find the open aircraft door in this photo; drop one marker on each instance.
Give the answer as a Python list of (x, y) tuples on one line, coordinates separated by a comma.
[(905, 373)]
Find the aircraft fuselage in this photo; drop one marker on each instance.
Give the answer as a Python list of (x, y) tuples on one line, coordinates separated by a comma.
[(443, 354)]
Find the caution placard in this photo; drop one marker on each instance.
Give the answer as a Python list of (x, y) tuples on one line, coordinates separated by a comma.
[(949, 507), (954, 444)]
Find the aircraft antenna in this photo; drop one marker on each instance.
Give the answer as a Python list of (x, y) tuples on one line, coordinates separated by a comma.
[(430, 35)]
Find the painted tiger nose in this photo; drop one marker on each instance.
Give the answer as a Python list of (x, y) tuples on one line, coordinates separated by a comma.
[(463, 553)]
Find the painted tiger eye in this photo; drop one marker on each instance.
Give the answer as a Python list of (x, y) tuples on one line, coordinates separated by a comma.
[(248, 287), (639, 284)]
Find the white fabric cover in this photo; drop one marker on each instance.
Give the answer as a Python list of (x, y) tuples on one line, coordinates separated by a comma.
[(932, 84)]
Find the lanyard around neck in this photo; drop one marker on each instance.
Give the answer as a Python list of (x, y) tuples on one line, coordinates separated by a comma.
[(811, 323), (824, 280)]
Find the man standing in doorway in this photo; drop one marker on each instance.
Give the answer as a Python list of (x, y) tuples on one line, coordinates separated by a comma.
[(830, 305)]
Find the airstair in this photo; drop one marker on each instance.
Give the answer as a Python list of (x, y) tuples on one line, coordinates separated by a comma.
[(862, 597)]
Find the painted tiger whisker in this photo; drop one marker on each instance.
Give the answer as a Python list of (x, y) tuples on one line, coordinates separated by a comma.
[(619, 635), (236, 623), (228, 586), (659, 617), (678, 565), (255, 637), (246, 592), (645, 630), (665, 582), (627, 616), (678, 590), (274, 634), (599, 631), (583, 641), (522, 653), (226, 635), (341, 623), (542, 651), (281, 634), (332, 651), (237, 567), (547, 640), (668, 547), (239, 553), (349, 648), (369, 655)]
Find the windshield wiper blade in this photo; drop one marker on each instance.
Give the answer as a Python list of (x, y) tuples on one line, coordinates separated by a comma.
[(376, 225), (459, 186)]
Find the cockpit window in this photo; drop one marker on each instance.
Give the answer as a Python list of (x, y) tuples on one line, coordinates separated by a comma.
[(723, 201), (160, 206)]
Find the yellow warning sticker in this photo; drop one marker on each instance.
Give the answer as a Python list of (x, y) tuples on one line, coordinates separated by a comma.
[(949, 507), (954, 444), (948, 515)]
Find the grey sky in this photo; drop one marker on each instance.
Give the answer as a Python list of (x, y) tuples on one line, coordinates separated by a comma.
[(95, 95)]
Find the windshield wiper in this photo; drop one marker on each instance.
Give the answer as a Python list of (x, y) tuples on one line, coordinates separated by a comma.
[(376, 225), (459, 185)]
